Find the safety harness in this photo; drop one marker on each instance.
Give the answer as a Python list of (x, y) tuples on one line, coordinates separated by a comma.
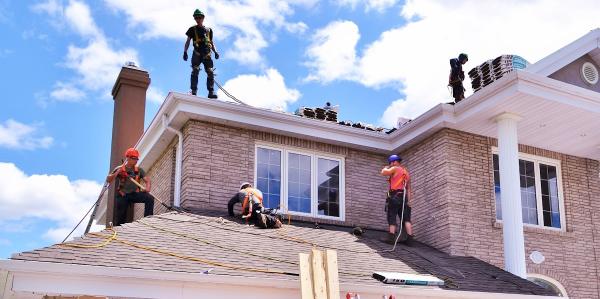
[(251, 198), (124, 175), (203, 39)]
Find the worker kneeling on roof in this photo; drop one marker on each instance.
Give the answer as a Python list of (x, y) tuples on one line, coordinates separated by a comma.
[(399, 198), (127, 191), (252, 207)]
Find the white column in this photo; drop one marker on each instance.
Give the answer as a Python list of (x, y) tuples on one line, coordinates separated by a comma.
[(512, 219)]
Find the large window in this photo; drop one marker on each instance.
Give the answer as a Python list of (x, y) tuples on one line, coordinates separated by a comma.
[(540, 191), (301, 182)]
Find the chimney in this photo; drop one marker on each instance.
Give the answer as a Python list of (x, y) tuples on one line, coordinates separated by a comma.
[(129, 93)]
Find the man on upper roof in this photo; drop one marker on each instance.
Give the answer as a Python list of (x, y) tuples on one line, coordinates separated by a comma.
[(202, 38), (457, 75)]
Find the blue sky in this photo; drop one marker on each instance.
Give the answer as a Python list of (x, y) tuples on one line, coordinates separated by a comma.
[(377, 59)]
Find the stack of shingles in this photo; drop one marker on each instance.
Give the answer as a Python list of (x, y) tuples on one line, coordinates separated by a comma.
[(331, 115), (495, 69), (306, 112), (320, 113)]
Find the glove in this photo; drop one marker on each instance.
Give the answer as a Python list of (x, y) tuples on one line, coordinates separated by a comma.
[(185, 56), (216, 55)]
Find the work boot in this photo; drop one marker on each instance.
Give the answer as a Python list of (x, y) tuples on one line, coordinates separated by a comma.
[(212, 94), (193, 92), (409, 240), (389, 238)]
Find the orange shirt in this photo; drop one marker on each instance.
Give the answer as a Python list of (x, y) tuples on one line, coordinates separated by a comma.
[(398, 178)]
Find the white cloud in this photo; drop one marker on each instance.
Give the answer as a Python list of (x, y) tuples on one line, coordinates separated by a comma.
[(332, 52), (415, 57), (246, 22), (266, 91), (378, 5), (97, 64), (16, 135), (49, 197), (66, 92), (155, 95)]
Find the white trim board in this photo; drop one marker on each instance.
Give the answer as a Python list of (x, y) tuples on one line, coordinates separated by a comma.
[(43, 278)]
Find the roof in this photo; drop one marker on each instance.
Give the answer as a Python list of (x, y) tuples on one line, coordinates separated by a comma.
[(587, 44), (218, 240)]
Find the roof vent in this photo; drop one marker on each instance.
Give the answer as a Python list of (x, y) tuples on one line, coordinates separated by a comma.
[(589, 73)]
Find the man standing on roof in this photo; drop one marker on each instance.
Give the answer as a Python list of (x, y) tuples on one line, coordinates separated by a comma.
[(457, 76), (128, 192), (399, 201), (203, 45), (252, 207)]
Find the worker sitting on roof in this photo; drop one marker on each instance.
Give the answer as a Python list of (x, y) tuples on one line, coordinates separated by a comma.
[(129, 192), (399, 198), (457, 76), (252, 207), (203, 45)]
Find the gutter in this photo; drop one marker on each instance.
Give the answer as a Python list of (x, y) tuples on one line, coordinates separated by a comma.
[(46, 277), (178, 161)]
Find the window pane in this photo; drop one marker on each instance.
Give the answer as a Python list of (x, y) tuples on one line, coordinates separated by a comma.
[(528, 192), (268, 176), (299, 183), (550, 204), (328, 182)]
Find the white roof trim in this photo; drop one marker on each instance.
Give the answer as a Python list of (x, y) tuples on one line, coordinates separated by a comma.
[(179, 108), (569, 53), (71, 279)]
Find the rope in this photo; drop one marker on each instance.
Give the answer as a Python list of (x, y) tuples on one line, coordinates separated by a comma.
[(104, 188), (228, 94), (108, 238), (281, 237), (113, 237), (234, 250)]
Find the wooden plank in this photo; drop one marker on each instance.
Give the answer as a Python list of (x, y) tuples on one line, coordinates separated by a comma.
[(318, 275), (306, 287), (331, 266)]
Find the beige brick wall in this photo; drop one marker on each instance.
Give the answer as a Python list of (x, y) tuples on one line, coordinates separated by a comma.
[(570, 255), (162, 176)]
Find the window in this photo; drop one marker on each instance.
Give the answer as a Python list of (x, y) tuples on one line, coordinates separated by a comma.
[(548, 283), (268, 176), (540, 191), (301, 182)]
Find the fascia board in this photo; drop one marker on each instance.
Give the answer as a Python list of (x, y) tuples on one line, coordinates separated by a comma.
[(47, 277), (560, 58)]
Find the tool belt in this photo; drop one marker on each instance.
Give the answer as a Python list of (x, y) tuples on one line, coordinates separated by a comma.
[(389, 195)]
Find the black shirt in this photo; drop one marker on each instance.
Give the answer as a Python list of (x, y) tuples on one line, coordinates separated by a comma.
[(201, 37), (456, 72)]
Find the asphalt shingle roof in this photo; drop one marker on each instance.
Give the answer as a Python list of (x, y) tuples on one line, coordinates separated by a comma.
[(211, 239)]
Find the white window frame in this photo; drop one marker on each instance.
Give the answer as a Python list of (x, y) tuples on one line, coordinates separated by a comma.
[(550, 280), (538, 188), (314, 155)]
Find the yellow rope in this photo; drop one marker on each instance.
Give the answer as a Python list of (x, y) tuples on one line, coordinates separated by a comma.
[(108, 238), (232, 249)]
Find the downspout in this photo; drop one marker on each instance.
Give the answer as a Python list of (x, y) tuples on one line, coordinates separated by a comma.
[(178, 163)]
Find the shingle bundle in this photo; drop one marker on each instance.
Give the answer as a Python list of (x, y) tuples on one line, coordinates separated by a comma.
[(494, 69), (318, 113)]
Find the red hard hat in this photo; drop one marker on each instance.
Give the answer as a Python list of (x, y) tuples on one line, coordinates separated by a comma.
[(132, 153)]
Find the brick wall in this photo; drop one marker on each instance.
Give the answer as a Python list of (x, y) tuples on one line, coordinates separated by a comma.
[(570, 255), (162, 176)]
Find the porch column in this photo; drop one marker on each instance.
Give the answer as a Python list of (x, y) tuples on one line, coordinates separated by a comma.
[(510, 189)]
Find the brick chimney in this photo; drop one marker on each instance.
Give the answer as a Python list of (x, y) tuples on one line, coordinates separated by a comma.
[(129, 93)]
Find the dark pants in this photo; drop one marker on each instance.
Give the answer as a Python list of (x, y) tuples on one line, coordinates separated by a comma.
[(123, 202), (198, 59), (395, 208), (458, 91)]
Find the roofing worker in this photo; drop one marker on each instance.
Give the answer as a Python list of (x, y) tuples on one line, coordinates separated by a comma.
[(457, 75), (252, 207), (399, 200), (203, 45), (127, 191)]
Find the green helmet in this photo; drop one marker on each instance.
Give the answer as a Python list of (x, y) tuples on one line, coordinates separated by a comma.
[(198, 13)]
